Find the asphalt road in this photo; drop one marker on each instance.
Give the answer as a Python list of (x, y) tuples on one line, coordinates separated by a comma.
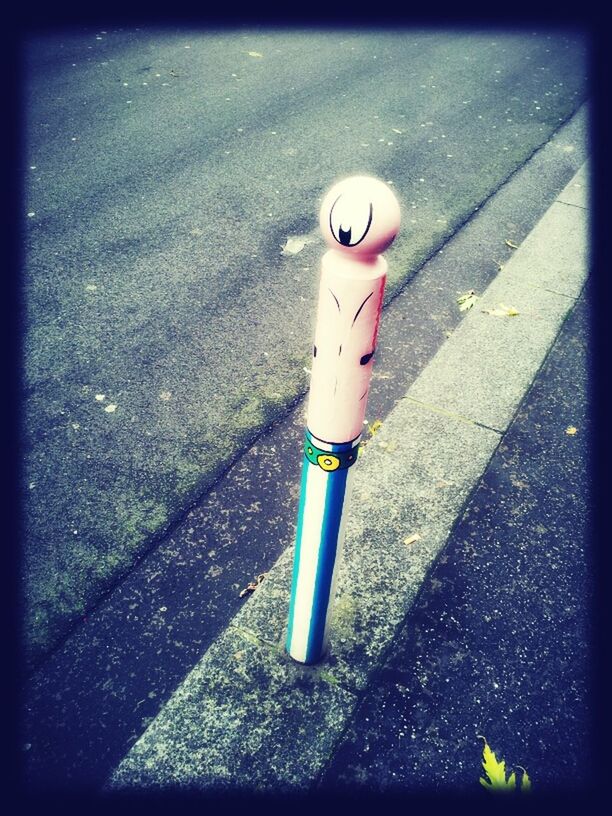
[(94, 696), (164, 172)]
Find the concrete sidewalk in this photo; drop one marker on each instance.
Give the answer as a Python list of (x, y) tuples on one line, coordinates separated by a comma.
[(247, 717)]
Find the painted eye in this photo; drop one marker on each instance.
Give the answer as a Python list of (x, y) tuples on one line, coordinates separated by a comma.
[(328, 462), (350, 219), (366, 358)]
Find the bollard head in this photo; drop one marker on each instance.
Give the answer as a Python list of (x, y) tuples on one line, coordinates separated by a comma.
[(360, 216)]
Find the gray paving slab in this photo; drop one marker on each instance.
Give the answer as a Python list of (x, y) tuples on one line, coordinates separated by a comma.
[(578, 190), (488, 363), (485, 371), (415, 476), (553, 257), (247, 717)]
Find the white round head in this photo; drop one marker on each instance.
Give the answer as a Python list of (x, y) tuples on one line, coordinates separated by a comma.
[(360, 216)]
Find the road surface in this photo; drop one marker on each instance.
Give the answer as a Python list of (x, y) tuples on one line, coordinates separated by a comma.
[(165, 171)]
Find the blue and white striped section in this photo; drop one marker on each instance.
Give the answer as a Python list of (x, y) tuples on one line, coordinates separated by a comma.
[(324, 497)]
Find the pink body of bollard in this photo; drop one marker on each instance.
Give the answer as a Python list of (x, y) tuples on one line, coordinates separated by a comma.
[(359, 219)]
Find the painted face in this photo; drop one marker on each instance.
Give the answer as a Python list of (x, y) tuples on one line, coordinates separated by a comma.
[(360, 216), (343, 350)]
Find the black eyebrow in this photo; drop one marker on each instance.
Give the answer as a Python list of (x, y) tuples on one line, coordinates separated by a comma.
[(361, 307), (336, 299)]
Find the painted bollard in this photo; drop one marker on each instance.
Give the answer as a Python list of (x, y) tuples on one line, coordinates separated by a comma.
[(359, 218)]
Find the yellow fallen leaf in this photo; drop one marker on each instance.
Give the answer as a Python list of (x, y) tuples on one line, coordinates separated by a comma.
[(254, 54), (375, 427), (110, 409), (293, 246), (502, 311), (525, 781), (495, 772), (495, 778), (100, 397), (412, 539), (444, 483), (467, 300), (571, 430)]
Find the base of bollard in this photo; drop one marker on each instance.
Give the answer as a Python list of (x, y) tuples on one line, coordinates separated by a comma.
[(311, 661)]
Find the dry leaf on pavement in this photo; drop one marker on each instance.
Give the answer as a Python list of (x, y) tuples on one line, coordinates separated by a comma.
[(502, 311), (293, 246), (252, 585), (467, 300)]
